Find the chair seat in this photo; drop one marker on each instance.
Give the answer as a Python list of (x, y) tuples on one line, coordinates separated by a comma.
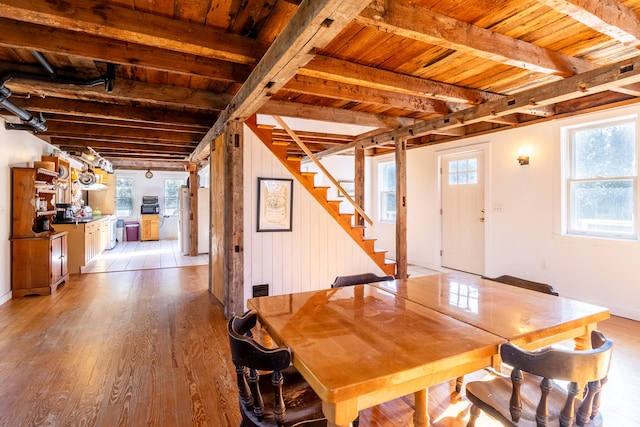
[(493, 398), (304, 408)]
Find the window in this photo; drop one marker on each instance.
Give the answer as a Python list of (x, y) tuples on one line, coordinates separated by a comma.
[(462, 172), (172, 196), (387, 185), (124, 196), (601, 179)]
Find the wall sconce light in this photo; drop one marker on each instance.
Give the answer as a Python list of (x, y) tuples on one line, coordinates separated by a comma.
[(523, 156)]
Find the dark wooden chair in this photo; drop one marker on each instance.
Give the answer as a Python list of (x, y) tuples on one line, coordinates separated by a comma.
[(278, 397), (359, 279), (523, 283), (530, 396), (520, 283)]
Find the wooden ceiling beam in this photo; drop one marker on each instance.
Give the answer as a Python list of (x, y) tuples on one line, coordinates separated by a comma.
[(105, 110), (589, 83), (610, 17), (324, 67), (365, 95), (37, 37), (156, 165), (104, 146), (314, 25), (423, 24), (60, 41), (128, 91), (102, 131), (129, 25), (118, 123), (334, 115)]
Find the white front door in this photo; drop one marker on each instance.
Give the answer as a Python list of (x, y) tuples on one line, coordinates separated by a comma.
[(463, 211)]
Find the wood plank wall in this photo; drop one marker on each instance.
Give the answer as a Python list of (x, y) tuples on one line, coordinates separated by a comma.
[(309, 257)]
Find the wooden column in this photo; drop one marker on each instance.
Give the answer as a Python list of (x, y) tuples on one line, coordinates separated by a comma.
[(359, 183), (193, 205), (233, 220), (401, 209)]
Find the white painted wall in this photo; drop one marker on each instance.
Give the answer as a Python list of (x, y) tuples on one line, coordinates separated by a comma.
[(307, 258), (143, 186), (18, 148), (523, 233)]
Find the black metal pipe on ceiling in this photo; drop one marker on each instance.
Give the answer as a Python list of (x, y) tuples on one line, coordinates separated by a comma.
[(38, 124)]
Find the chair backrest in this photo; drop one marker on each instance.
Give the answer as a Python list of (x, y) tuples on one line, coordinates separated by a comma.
[(588, 367), (359, 279), (249, 357), (523, 283)]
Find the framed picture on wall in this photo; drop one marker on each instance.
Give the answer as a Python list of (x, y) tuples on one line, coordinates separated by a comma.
[(349, 188), (275, 203)]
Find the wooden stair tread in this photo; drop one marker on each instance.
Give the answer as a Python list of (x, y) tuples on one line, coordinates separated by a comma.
[(306, 178)]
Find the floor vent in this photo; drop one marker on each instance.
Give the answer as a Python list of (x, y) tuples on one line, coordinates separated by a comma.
[(260, 290)]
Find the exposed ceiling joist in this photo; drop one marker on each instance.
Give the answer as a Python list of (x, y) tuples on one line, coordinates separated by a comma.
[(411, 21), (610, 17), (313, 26)]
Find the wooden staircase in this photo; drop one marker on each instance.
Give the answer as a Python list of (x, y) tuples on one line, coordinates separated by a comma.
[(292, 164)]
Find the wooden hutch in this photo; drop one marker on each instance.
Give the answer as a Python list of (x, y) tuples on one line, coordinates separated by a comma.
[(38, 252)]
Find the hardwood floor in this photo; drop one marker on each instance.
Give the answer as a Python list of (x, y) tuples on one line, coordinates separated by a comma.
[(149, 347)]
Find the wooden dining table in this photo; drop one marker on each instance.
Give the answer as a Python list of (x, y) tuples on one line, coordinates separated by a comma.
[(363, 345)]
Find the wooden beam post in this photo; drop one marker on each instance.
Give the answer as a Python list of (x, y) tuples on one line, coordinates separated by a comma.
[(193, 206), (359, 183), (401, 209), (233, 220)]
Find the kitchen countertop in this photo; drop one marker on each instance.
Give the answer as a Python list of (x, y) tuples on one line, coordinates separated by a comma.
[(81, 220)]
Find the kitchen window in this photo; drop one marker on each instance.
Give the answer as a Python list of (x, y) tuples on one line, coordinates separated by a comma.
[(601, 170), (387, 193), (172, 196), (124, 197)]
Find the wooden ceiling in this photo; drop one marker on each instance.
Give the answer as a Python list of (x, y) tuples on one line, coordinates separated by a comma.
[(425, 71)]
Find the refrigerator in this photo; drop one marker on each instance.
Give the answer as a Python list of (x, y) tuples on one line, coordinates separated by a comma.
[(184, 214)]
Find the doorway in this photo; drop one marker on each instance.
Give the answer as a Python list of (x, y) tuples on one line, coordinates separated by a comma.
[(463, 215)]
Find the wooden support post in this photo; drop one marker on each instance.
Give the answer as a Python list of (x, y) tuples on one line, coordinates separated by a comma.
[(233, 220), (401, 209), (359, 183), (193, 205)]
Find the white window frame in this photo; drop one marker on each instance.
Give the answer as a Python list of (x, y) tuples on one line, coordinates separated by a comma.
[(176, 198), (133, 195), (568, 180), (384, 215)]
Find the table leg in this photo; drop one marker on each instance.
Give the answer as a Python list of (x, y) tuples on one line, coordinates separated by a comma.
[(421, 414), (583, 342), (340, 414)]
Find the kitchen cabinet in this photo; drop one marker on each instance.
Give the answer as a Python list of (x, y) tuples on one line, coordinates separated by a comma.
[(87, 240), (150, 227), (38, 252), (39, 264)]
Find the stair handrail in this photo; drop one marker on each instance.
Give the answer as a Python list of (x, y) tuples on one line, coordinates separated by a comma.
[(315, 160)]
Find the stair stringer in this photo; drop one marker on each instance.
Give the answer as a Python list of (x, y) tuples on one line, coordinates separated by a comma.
[(319, 193)]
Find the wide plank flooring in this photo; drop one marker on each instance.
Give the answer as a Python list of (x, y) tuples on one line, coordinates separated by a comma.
[(149, 347)]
